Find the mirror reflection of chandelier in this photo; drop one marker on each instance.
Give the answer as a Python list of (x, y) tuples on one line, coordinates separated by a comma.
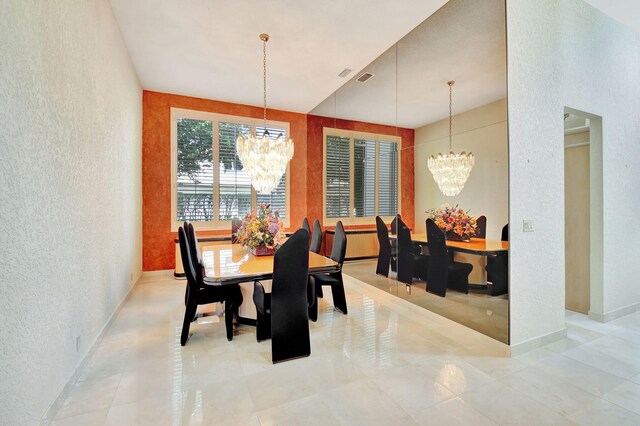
[(264, 158), (451, 171)]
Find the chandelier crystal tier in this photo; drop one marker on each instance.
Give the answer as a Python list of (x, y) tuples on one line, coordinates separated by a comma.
[(451, 171), (264, 158)]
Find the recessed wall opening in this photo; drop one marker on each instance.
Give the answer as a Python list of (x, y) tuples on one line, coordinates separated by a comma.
[(583, 212)]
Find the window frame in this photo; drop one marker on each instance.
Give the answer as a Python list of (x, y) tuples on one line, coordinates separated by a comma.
[(216, 224), (353, 135)]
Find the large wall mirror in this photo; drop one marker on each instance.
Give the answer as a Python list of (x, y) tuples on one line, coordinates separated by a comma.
[(406, 96)]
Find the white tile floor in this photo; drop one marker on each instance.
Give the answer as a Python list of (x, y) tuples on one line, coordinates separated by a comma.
[(381, 364)]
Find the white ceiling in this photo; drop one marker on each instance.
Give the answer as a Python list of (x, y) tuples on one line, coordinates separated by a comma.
[(210, 48), (463, 41), (624, 11)]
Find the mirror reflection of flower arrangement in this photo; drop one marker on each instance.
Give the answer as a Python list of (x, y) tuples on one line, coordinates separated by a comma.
[(261, 231), (456, 223)]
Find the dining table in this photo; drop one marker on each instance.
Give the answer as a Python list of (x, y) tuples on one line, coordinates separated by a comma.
[(481, 249), (232, 264)]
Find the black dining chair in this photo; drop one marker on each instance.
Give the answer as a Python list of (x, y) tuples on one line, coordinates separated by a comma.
[(185, 226), (316, 238), (283, 313), (385, 252), (201, 294), (481, 229), (498, 268), (333, 279), (307, 227), (444, 273), (410, 262), (394, 243), (235, 225)]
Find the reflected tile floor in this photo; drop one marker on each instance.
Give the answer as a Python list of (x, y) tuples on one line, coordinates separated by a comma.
[(384, 363), (477, 310)]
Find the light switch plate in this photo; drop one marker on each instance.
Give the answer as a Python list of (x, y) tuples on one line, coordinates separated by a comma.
[(527, 226)]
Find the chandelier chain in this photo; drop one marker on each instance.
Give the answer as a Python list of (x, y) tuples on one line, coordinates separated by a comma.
[(450, 83), (264, 80)]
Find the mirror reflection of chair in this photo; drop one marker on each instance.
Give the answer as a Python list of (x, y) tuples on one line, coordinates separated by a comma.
[(385, 252), (283, 314), (411, 264), (498, 268), (334, 279), (201, 294), (394, 243), (444, 273), (316, 238), (481, 230)]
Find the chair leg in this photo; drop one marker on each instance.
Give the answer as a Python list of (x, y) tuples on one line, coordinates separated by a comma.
[(319, 292), (263, 326), (229, 309), (312, 300), (189, 313), (339, 298)]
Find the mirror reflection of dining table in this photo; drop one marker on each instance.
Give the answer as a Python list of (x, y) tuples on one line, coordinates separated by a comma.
[(476, 251)]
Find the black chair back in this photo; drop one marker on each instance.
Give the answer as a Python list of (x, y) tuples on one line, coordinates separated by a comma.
[(438, 260), (481, 230), (339, 249), (289, 305), (316, 238), (194, 251), (505, 233), (305, 225), (235, 225), (384, 254), (394, 224), (187, 263), (405, 253)]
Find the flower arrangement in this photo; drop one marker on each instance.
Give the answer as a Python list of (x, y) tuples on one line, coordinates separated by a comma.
[(456, 223), (261, 231)]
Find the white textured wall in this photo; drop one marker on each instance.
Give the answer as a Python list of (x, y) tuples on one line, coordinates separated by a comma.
[(566, 53), (484, 132), (70, 191)]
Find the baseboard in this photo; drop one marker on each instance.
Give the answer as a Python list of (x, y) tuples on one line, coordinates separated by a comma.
[(53, 409), (537, 342), (615, 314), (162, 273)]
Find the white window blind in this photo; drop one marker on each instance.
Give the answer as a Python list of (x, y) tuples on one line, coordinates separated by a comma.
[(210, 186), (388, 179), (338, 179), (194, 170), (361, 175), (364, 177), (234, 183)]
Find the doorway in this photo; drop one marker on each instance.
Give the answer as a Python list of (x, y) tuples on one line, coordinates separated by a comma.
[(583, 211)]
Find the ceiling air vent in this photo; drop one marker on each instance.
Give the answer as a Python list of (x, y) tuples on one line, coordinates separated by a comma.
[(345, 72), (364, 77)]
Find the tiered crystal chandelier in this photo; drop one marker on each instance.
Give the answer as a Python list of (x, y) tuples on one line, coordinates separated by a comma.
[(264, 158), (451, 171)]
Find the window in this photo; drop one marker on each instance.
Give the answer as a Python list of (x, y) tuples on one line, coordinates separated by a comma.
[(361, 176), (210, 185)]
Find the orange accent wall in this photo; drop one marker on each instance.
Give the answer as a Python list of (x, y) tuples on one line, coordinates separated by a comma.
[(158, 246), (315, 159)]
